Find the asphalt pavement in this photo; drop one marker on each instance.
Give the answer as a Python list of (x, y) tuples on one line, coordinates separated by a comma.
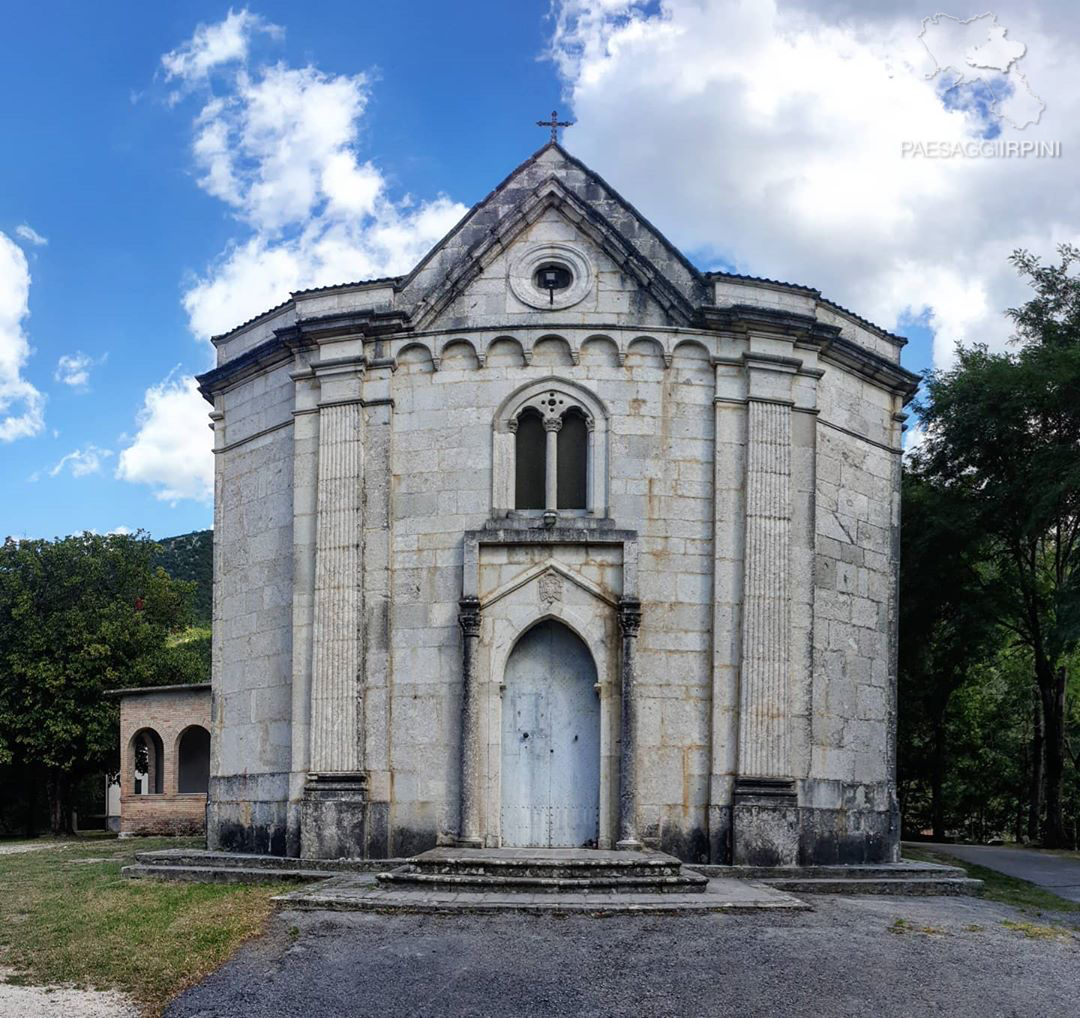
[(1056, 873), (868, 956)]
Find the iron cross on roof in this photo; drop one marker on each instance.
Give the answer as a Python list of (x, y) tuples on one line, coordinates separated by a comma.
[(555, 123)]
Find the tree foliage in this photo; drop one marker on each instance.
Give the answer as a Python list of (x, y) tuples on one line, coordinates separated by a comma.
[(1000, 469), (191, 557), (80, 616)]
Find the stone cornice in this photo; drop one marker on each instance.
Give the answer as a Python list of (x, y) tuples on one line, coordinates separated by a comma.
[(736, 319)]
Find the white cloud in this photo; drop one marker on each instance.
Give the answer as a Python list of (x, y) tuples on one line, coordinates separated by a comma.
[(30, 235), (22, 407), (279, 146), (73, 369), (768, 136), (171, 451), (82, 462), (121, 531), (914, 438), (213, 46)]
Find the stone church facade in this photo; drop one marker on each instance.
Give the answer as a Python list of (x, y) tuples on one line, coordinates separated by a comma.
[(557, 541)]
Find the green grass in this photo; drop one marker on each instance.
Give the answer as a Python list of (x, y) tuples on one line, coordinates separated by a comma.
[(66, 917), (998, 887)]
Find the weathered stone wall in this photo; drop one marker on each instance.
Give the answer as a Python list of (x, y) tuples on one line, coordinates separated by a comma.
[(660, 482), (252, 665), (850, 781)]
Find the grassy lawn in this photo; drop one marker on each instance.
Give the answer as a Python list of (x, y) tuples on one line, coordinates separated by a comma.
[(67, 917), (998, 887)]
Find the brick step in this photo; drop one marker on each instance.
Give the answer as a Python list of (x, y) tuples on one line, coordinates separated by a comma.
[(221, 874), (906, 886), (409, 878)]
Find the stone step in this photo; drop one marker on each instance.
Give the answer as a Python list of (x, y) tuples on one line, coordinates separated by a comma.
[(250, 861), (349, 894), (409, 878), (537, 863), (886, 886), (882, 871), (221, 874)]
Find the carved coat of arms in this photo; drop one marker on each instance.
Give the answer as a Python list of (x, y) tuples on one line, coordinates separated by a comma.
[(550, 588)]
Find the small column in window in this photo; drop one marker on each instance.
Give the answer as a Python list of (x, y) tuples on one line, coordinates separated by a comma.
[(552, 425)]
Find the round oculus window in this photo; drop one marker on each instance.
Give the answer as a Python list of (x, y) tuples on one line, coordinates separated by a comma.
[(553, 276), (550, 277)]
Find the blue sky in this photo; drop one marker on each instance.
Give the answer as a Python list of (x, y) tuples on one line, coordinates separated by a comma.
[(101, 166), (110, 183)]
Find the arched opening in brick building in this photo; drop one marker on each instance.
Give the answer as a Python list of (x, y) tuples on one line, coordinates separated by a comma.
[(193, 760), (149, 762)]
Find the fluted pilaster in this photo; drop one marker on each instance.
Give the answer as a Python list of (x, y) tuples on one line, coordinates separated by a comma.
[(335, 697), (763, 715)]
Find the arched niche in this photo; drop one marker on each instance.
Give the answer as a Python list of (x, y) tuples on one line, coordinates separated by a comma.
[(193, 760), (505, 352), (691, 364), (646, 353), (551, 352), (600, 351), (458, 355), (415, 359)]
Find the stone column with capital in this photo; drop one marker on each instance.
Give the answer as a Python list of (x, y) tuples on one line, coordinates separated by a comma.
[(629, 623), (552, 427), (469, 824)]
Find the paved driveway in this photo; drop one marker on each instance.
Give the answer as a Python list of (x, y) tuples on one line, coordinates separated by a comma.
[(850, 957), (1055, 873)]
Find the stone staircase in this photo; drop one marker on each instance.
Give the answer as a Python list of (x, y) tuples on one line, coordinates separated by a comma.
[(543, 871), (544, 880)]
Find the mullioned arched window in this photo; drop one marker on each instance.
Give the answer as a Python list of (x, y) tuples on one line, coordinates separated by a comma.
[(551, 451)]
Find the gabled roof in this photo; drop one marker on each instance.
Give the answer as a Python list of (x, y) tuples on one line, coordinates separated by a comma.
[(552, 177)]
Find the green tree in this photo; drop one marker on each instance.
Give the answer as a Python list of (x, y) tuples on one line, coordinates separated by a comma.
[(945, 629), (80, 616), (1003, 434)]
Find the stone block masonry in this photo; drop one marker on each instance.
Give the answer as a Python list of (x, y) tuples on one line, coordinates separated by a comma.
[(728, 558)]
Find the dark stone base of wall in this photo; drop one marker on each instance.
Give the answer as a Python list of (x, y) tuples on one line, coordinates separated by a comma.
[(764, 827), (831, 837), (765, 823), (332, 817), (248, 813), (768, 827), (338, 821), (719, 836)]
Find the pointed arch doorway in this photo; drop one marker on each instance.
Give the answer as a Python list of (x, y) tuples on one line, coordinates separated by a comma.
[(550, 742)]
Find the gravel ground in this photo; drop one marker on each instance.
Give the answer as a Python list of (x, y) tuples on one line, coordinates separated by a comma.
[(27, 846), (41, 1002), (885, 957)]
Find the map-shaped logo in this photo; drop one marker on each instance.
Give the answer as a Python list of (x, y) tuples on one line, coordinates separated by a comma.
[(976, 66)]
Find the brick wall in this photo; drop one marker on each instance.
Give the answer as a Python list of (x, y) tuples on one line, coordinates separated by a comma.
[(169, 712)]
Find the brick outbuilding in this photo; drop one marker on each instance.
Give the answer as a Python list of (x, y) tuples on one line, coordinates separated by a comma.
[(164, 759)]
